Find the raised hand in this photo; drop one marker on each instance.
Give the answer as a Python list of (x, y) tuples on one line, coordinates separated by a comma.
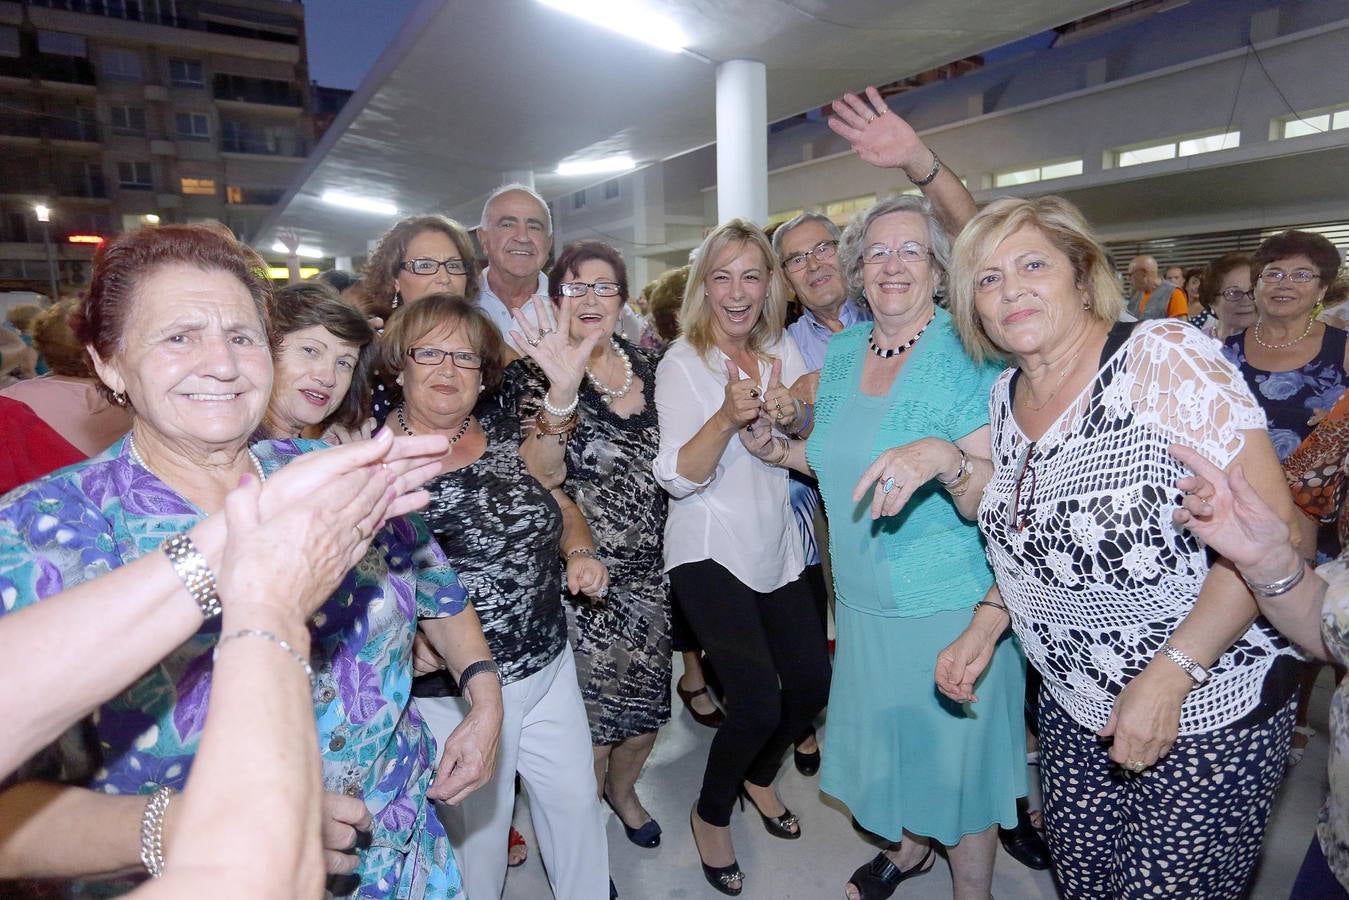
[(742, 404), (877, 134), (287, 238), (548, 342), (779, 406)]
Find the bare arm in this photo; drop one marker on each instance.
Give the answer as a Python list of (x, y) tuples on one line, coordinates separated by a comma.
[(883, 139), (905, 469), (469, 755)]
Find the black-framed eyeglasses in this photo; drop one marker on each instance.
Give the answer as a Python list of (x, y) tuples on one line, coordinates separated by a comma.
[(1297, 276), (425, 266), (824, 250), (1023, 495), (430, 356), (579, 288), (907, 252), (1235, 294)]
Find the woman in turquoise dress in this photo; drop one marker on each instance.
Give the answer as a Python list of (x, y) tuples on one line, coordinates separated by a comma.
[(912, 766)]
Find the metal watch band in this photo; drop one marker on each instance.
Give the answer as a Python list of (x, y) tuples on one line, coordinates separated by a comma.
[(1198, 674), (192, 570), (477, 668)]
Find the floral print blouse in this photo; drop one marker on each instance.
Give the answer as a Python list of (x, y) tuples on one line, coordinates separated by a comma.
[(99, 514)]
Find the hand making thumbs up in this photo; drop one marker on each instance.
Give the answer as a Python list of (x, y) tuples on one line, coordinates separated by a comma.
[(779, 406), (741, 406)]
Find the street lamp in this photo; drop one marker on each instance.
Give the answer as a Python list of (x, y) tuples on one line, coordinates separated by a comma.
[(44, 215)]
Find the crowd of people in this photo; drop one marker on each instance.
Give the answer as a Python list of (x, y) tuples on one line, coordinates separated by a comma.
[(1070, 531)]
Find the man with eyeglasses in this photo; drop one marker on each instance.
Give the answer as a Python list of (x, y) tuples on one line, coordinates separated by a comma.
[(1154, 298), (516, 235)]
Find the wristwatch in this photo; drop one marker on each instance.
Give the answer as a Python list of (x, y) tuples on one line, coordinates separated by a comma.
[(1198, 674)]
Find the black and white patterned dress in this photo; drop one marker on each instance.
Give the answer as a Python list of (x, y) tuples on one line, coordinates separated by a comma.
[(500, 530), (622, 644)]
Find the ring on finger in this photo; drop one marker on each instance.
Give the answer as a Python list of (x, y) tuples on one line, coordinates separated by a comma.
[(1136, 766), (888, 485), (871, 117), (754, 393)]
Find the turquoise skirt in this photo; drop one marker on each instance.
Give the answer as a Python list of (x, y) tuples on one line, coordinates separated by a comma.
[(901, 755)]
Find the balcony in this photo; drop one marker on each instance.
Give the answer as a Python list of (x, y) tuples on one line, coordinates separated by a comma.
[(87, 187), (59, 125), (24, 125), (224, 19), (264, 91), (47, 67), (260, 142), (241, 196)]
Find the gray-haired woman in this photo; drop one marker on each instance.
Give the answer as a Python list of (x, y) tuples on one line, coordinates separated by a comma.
[(908, 565)]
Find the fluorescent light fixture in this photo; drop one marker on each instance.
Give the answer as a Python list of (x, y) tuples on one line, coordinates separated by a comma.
[(151, 219), (302, 250), (602, 166), (43, 213), (364, 204), (628, 18), (280, 273)]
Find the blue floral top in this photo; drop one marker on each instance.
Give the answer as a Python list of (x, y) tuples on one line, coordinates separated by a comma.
[(94, 516), (1290, 399)]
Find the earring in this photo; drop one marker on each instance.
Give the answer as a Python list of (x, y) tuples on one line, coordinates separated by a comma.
[(119, 398), (1086, 304), (397, 298), (399, 379)]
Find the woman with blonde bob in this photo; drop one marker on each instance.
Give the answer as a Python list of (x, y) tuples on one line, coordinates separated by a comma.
[(1157, 676), (731, 548)]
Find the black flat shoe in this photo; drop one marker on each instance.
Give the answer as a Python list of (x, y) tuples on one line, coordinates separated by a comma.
[(1024, 844), (720, 877), (613, 891), (646, 835), (807, 763), (778, 826), (710, 720), (878, 879)]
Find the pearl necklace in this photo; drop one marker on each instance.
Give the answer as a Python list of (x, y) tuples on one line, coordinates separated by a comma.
[(140, 461), (1255, 333), (403, 424), (895, 351), (612, 394)]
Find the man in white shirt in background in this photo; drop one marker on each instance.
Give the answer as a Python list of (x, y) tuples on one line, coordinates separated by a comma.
[(516, 234)]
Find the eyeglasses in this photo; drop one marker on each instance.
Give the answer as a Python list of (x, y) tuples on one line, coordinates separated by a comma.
[(1234, 294), (579, 288), (430, 356), (822, 251), (1019, 519), (907, 252), (423, 266), (1297, 276)]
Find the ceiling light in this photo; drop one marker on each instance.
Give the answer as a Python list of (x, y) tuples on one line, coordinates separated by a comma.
[(627, 18), (302, 250), (151, 219), (602, 166), (43, 213), (364, 204)]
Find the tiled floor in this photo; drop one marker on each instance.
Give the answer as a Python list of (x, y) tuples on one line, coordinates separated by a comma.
[(817, 865)]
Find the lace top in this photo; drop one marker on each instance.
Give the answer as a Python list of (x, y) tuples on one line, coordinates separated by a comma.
[(1093, 572)]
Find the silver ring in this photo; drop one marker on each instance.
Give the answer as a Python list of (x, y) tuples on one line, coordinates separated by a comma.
[(533, 342), (604, 591), (871, 119), (888, 485), (544, 331)]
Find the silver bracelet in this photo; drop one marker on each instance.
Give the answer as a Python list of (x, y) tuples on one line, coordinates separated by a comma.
[(267, 636), (565, 411), (152, 830), (191, 568), (1282, 586), (582, 551), (931, 176), (786, 447)]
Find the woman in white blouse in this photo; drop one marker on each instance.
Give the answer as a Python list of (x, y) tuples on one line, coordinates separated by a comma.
[(1166, 712), (731, 548)]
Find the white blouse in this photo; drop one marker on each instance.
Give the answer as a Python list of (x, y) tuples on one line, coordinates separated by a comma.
[(741, 517), (1093, 571)]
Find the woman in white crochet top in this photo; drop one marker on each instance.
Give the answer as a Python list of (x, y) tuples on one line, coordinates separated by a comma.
[(1166, 708)]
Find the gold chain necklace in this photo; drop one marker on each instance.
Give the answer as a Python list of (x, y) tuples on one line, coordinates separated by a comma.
[(1255, 333)]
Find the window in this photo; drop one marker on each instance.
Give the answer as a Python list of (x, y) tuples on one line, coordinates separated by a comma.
[(611, 189), (186, 73), (578, 200), (1318, 122), (134, 176), (197, 187), (9, 41), (192, 126), (1045, 172), (61, 43), (127, 120), (841, 211), (1177, 147), (122, 65)]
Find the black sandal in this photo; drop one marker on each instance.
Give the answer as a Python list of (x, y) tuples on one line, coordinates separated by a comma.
[(878, 879), (709, 720)]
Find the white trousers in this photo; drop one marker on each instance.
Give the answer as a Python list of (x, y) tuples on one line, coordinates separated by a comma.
[(545, 737)]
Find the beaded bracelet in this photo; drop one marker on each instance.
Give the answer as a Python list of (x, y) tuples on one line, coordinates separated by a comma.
[(191, 568), (565, 411), (582, 551), (152, 830), (267, 636)]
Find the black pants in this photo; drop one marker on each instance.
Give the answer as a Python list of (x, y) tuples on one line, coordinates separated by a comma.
[(769, 651)]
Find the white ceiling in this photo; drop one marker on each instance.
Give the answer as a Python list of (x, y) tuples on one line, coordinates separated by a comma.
[(473, 88)]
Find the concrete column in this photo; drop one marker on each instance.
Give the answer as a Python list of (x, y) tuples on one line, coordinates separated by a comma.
[(742, 141), (518, 176)]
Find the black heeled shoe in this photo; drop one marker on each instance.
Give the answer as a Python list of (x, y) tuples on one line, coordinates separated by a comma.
[(878, 879), (778, 826), (720, 877), (1023, 843), (646, 835), (807, 763), (712, 719)]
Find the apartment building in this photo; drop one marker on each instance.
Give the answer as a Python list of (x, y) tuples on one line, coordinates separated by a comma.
[(115, 113)]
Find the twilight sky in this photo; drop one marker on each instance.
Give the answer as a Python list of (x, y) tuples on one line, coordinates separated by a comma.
[(345, 37)]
